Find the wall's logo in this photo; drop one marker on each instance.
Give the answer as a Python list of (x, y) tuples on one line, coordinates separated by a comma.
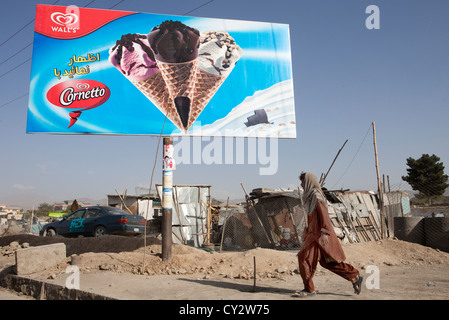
[(64, 19), (68, 22)]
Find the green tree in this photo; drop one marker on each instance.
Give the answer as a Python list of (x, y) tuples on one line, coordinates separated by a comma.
[(426, 175), (43, 209), (216, 202)]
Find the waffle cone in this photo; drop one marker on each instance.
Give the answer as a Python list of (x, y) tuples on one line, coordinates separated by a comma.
[(155, 89), (180, 79), (206, 86)]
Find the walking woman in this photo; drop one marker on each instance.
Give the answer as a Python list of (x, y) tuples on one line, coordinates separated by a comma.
[(320, 243)]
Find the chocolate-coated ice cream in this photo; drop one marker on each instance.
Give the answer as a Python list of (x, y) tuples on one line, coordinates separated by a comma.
[(174, 42)]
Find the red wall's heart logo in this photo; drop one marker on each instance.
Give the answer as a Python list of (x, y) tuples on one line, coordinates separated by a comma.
[(64, 19)]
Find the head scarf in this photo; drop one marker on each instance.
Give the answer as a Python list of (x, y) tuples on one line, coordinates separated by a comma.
[(312, 192)]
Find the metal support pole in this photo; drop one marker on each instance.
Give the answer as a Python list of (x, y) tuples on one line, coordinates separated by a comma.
[(167, 198), (379, 187)]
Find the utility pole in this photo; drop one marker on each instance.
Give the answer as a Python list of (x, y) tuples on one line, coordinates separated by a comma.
[(379, 187), (167, 198)]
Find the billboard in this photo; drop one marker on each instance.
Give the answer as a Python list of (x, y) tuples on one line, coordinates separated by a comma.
[(116, 72)]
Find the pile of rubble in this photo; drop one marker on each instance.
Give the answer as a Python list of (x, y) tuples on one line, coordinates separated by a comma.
[(10, 249)]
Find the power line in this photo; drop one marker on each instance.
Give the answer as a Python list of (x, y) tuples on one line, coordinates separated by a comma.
[(15, 33), (355, 155), (89, 3), (6, 103), (15, 68), (31, 42), (198, 7), (15, 53), (116, 4)]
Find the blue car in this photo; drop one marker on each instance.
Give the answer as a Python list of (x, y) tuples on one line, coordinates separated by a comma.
[(95, 221)]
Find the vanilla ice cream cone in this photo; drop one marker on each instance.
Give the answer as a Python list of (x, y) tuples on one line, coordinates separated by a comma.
[(217, 56), (206, 86)]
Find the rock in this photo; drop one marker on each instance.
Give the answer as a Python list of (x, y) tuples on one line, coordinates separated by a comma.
[(282, 269), (14, 245), (105, 267), (75, 260)]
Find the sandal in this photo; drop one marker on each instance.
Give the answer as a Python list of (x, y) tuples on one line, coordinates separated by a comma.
[(303, 294), (358, 284)]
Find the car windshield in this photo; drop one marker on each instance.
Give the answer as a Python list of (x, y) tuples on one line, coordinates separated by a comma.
[(112, 210)]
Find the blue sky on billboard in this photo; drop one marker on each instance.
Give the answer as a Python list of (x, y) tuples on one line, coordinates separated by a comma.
[(345, 76)]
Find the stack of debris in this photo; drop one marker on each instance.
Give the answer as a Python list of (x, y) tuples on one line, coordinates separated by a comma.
[(275, 218)]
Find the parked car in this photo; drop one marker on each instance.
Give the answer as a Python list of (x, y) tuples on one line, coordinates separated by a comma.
[(95, 221)]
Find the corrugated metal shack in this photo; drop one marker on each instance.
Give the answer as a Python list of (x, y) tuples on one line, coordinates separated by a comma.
[(281, 214), (189, 213), (275, 218), (356, 214), (269, 219)]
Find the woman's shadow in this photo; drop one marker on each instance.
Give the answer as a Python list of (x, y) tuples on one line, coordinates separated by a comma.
[(250, 288)]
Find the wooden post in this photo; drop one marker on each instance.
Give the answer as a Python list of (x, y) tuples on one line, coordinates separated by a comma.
[(178, 211), (379, 187), (208, 219), (257, 216), (224, 224), (255, 275), (167, 198)]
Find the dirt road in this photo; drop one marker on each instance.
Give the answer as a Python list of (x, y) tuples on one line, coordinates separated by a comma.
[(393, 270)]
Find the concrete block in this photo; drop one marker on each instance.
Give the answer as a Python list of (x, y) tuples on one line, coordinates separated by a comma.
[(35, 259)]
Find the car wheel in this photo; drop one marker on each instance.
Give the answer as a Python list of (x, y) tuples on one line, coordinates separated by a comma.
[(50, 233), (100, 231)]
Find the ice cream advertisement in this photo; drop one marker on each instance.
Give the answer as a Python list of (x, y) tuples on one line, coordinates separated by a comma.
[(115, 72)]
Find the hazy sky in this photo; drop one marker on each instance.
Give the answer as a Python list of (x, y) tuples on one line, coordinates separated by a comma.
[(345, 77)]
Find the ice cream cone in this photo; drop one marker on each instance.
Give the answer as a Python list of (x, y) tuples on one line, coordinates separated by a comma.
[(217, 56), (206, 86), (133, 57), (155, 89), (180, 79), (175, 48)]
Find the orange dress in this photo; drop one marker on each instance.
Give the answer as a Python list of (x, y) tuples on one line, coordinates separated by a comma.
[(316, 249)]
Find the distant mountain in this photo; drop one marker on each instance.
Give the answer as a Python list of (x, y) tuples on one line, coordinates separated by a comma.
[(92, 201), (27, 201)]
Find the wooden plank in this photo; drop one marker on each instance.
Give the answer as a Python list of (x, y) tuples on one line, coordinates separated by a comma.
[(376, 228), (344, 228), (365, 233)]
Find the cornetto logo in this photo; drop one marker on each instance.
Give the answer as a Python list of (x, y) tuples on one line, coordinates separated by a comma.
[(81, 94), (66, 22)]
